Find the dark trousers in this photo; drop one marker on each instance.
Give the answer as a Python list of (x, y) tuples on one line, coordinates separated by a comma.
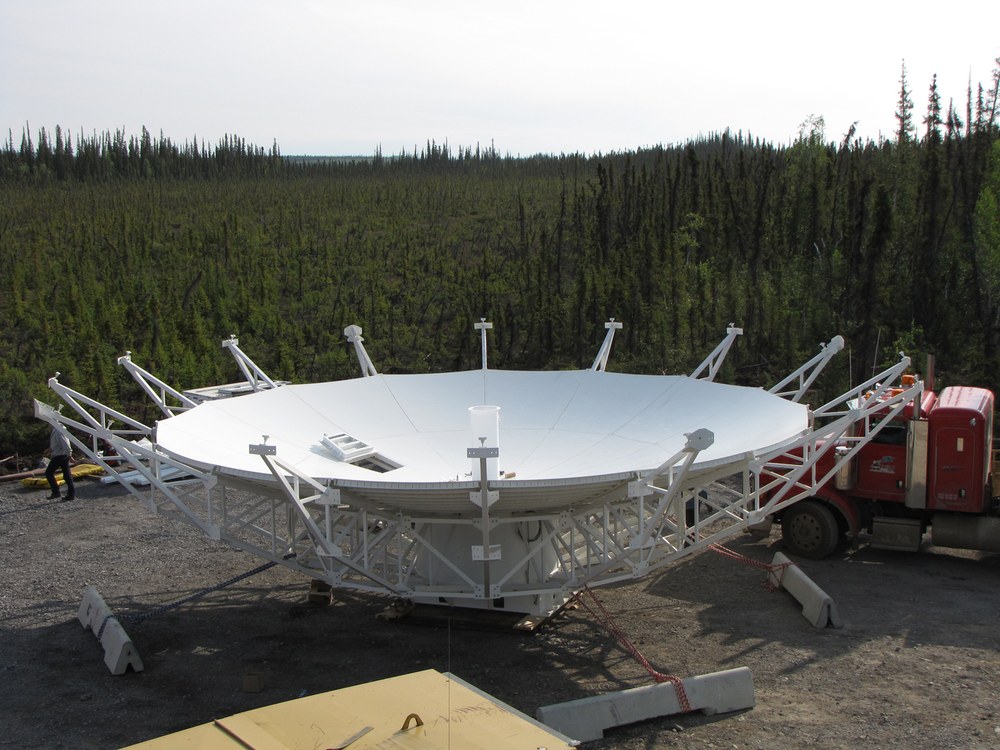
[(60, 462)]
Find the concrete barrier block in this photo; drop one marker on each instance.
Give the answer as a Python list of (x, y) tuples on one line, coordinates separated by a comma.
[(119, 651), (586, 719), (92, 609), (817, 606), (85, 613)]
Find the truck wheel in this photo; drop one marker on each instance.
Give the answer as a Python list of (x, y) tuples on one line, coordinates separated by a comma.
[(809, 529)]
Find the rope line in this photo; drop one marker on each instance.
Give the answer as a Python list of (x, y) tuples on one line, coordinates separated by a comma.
[(778, 570), (140, 618), (602, 615)]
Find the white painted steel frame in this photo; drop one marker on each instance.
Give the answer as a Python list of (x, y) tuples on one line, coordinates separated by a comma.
[(601, 360), (807, 373), (256, 377), (156, 389), (631, 528), (855, 418), (353, 334), (714, 360)]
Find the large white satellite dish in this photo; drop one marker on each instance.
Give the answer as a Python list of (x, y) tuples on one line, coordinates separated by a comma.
[(561, 434), (486, 488)]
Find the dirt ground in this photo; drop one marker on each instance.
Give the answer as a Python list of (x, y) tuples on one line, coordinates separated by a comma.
[(916, 664)]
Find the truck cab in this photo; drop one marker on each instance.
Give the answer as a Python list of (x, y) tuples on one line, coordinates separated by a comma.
[(930, 467)]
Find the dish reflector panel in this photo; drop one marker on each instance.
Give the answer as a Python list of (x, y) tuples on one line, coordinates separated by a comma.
[(556, 428)]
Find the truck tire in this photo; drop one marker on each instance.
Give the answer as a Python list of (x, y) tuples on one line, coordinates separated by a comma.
[(809, 529)]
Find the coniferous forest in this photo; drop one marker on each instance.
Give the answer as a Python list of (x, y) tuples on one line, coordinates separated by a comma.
[(113, 242)]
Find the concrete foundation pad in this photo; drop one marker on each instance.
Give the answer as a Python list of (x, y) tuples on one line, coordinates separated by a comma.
[(586, 719)]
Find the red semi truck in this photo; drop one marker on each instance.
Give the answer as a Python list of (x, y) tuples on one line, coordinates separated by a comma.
[(931, 467)]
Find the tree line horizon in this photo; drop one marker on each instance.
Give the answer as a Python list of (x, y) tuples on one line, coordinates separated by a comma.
[(112, 243)]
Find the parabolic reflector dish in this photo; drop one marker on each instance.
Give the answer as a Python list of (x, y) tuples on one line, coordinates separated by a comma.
[(488, 488), (403, 439)]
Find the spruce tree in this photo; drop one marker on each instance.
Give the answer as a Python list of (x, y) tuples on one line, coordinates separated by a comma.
[(904, 109)]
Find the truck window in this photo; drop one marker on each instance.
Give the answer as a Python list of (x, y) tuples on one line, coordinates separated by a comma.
[(892, 434)]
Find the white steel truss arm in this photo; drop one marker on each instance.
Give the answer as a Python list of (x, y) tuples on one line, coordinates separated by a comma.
[(62, 423), (124, 450), (878, 388), (156, 389), (674, 470), (256, 377), (353, 334), (808, 372), (101, 424), (293, 483), (857, 416), (714, 360), (178, 490), (601, 360), (483, 326)]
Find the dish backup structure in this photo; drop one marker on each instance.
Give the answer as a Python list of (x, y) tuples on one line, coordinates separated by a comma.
[(486, 488)]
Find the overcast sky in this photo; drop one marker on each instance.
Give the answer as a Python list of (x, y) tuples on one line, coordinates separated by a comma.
[(348, 76)]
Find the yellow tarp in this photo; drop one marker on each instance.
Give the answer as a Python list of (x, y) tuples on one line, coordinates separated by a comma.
[(80, 470), (370, 716)]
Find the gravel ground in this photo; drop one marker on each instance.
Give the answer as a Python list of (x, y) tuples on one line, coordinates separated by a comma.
[(917, 662)]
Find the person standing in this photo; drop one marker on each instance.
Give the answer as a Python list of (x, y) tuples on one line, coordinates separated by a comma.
[(59, 455)]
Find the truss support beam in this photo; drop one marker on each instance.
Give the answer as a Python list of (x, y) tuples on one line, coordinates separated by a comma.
[(256, 377), (156, 389), (672, 506), (601, 360), (95, 420), (807, 373), (353, 334), (483, 326), (117, 449), (789, 475), (708, 369)]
